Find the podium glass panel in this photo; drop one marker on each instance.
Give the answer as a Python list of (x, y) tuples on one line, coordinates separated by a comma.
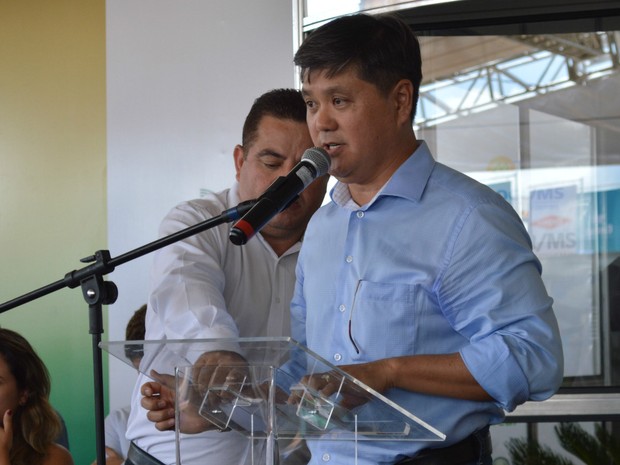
[(273, 392)]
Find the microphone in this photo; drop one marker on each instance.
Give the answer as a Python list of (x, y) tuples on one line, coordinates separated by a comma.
[(284, 191)]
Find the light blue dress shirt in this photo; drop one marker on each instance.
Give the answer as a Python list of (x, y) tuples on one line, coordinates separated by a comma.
[(436, 263)]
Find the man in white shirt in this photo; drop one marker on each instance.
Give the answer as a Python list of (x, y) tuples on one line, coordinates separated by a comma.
[(205, 287)]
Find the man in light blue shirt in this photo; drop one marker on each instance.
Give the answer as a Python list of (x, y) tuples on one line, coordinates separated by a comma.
[(416, 279)]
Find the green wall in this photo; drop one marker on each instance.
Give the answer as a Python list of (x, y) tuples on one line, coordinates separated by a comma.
[(53, 186)]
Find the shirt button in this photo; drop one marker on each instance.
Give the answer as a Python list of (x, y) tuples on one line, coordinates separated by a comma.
[(337, 357), (325, 457), (349, 259), (342, 308), (360, 214)]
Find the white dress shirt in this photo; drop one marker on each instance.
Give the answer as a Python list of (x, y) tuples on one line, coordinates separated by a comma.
[(205, 287), (115, 428)]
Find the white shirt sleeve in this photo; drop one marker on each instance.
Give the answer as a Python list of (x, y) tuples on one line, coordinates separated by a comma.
[(188, 281), (115, 429)]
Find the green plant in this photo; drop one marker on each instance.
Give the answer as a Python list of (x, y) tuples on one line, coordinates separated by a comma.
[(598, 449)]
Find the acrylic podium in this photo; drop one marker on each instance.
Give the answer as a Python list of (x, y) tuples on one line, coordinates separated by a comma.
[(278, 395)]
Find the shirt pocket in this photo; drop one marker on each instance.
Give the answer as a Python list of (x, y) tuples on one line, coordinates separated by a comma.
[(382, 320)]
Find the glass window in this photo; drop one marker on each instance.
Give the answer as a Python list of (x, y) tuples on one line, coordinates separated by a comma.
[(535, 121)]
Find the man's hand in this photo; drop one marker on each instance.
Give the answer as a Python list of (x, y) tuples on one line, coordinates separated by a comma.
[(350, 395), (223, 369), (219, 368), (158, 399)]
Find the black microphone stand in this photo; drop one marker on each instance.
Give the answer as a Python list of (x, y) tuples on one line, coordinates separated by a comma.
[(97, 292)]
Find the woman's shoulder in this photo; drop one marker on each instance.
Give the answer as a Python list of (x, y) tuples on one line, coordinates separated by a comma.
[(58, 455)]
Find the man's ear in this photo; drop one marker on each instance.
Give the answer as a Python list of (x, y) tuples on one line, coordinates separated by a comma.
[(403, 97), (239, 156)]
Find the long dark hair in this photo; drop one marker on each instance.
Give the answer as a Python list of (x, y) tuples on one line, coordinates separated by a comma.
[(35, 423)]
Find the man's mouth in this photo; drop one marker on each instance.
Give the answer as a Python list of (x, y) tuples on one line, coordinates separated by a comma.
[(331, 146)]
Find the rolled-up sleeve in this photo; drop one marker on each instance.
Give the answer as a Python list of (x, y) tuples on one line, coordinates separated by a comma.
[(493, 293)]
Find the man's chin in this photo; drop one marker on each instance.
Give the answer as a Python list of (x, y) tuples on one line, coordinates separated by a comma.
[(282, 224), (286, 215)]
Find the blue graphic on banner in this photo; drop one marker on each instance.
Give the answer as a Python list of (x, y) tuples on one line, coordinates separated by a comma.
[(608, 206), (504, 189), (554, 220)]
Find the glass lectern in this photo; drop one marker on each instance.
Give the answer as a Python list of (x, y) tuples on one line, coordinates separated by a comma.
[(277, 394)]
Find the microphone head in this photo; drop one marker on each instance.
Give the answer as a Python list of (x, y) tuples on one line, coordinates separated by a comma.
[(319, 159)]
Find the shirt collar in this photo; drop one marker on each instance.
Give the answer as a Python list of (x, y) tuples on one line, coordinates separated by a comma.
[(408, 181)]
